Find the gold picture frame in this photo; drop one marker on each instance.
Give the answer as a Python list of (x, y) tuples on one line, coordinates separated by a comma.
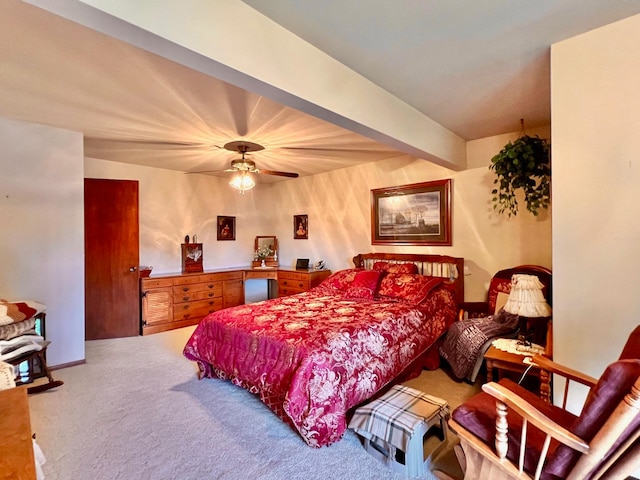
[(415, 214)]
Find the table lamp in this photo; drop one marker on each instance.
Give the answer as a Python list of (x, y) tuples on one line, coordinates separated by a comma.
[(526, 301)]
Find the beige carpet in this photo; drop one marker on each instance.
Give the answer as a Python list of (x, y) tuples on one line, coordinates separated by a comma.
[(136, 410)]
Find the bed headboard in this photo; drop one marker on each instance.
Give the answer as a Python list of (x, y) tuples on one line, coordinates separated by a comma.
[(451, 268)]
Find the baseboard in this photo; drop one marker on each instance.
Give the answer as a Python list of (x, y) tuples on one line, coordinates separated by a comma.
[(65, 365)]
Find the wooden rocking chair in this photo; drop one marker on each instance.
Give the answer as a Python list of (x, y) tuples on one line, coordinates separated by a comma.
[(507, 432)]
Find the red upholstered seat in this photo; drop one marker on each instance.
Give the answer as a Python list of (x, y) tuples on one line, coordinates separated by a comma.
[(478, 416)]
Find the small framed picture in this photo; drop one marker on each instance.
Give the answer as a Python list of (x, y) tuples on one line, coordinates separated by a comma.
[(226, 228), (300, 227)]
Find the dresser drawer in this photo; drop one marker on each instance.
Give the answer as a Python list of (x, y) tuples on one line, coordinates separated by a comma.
[(156, 283), (294, 276), (181, 297), (294, 283), (212, 287), (262, 274), (189, 279), (195, 309)]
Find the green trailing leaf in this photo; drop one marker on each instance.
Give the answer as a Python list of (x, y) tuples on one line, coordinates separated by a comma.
[(523, 164)]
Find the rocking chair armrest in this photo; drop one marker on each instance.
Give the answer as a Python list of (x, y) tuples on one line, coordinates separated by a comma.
[(535, 417), (550, 366)]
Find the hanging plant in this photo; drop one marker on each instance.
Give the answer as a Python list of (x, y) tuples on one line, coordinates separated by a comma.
[(522, 164)]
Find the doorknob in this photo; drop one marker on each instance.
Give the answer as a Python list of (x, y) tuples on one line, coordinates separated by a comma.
[(132, 269)]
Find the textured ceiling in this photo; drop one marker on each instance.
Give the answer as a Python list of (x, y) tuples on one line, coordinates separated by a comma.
[(475, 68)]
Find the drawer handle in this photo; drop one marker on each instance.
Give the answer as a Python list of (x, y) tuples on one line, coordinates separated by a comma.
[(185, 289), (300, 285), (211, 285), (211, 294), (185, 299), (185, 307)]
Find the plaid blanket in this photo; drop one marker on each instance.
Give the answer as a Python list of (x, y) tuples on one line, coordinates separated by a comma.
[(394, 416)]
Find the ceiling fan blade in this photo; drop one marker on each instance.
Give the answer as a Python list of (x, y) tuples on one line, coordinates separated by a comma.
[(320, 149), (280, 174), (157, 143), (211, 171)]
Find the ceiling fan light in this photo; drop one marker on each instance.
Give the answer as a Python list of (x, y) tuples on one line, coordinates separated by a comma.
[(242, 182)]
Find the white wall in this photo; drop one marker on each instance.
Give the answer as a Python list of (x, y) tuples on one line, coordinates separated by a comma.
[(596, 203), (42, 241)]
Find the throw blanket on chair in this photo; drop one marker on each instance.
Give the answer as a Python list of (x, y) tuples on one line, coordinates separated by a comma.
[(467, 340)]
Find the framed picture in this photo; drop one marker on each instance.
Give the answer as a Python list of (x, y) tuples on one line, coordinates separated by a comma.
[(416, 214), (226, 228), (300, 227)]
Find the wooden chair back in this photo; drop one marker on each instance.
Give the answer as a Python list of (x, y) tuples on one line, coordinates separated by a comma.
[(603, 442)]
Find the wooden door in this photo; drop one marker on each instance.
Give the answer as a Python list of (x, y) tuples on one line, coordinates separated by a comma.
[(111, 243)]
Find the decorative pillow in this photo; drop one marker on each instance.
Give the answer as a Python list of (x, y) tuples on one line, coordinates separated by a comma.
[(411, 289), (12, 312), (497, 286), (364, 285), (341, 279), (395, 267)]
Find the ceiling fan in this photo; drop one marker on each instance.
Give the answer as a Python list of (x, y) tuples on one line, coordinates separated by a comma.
[(243, 167)]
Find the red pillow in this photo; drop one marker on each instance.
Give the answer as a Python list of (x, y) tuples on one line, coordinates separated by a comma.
[(395, 267), (497, 286), (341, 279), (364, 285), (411, 289)]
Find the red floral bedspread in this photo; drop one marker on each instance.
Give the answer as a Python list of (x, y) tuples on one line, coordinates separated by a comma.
[(313, 356)]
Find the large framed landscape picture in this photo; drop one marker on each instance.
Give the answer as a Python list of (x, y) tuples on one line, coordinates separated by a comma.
[(416, 214)]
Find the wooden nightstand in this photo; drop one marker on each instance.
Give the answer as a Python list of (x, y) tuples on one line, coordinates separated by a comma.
[(501, 360)]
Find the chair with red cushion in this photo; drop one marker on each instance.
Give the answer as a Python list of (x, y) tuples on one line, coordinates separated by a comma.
[(500, 286), (464, 349), (603, 441)]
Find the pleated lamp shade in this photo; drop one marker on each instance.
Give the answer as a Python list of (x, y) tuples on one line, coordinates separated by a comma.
[(525, 298)]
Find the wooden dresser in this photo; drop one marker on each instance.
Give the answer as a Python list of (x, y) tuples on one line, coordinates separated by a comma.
[(17, 460), (180, 300), (176, 301)]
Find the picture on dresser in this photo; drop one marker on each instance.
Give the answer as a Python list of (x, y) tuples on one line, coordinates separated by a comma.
[(226, 228), (300, 227)]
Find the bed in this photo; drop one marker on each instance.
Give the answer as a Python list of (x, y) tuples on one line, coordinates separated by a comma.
[(314, 357)]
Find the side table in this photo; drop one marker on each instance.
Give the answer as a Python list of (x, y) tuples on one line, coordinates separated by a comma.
[(501, 360)]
